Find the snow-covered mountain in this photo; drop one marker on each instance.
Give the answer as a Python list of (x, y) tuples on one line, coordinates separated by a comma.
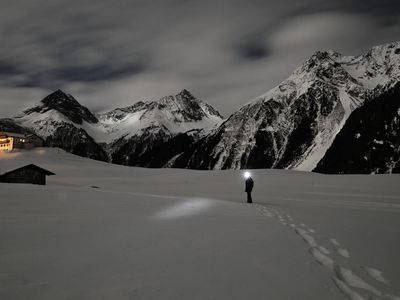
[(53, 111), (127, 135), (295, 123), (151, 133), (171, 115), (59, 119), (62, 104), (291, 126), (369, 141)]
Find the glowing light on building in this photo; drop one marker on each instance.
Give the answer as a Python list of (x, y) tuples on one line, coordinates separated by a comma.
[(6, 143)]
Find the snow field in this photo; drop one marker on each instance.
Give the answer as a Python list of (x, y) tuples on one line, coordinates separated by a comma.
[(347, 282), (185, 234)]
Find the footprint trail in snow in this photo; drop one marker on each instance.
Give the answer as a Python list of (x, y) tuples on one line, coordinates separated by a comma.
[(376, 274), (341, 251), (347, 281)]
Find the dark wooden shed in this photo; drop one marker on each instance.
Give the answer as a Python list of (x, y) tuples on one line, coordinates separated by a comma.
[(26, 174)]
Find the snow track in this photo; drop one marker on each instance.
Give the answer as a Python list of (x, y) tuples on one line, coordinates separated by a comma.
[(185, 234), (346, 280)]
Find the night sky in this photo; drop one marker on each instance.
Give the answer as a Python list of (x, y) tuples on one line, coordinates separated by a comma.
[(113, 53)]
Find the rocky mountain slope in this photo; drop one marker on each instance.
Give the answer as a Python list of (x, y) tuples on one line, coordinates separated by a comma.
[(62, 104), (9, 125), (58, 119), (145, 134), (294, 124), (291, 126), (133, 135), (369, 141)]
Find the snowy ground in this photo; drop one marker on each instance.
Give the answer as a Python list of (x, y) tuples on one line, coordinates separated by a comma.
[(101, 231)]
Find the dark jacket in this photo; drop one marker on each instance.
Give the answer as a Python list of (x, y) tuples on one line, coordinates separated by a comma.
[(249, 185)]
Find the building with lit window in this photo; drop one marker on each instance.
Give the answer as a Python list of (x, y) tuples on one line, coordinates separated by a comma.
[(10, 141)]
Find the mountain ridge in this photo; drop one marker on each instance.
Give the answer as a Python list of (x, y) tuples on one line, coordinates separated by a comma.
[(301, 116), (291, 126), (126, 135), (65, 104)]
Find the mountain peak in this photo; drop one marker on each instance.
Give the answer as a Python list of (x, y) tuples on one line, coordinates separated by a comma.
[(326, 54), (58, 97), (65, 104), (321, 58), (186, 94), (183, 96), (187, 106), (293, 124), (181, 108), (60, 91)]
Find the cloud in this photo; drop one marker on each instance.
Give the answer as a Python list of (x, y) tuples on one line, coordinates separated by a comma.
[(318, 30), (112, 53), (253, 47)]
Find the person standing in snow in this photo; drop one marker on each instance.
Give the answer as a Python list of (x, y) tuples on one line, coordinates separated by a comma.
[(249, 183)]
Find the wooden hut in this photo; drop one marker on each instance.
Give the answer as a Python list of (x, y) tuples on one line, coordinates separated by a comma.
[(26, 174)]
